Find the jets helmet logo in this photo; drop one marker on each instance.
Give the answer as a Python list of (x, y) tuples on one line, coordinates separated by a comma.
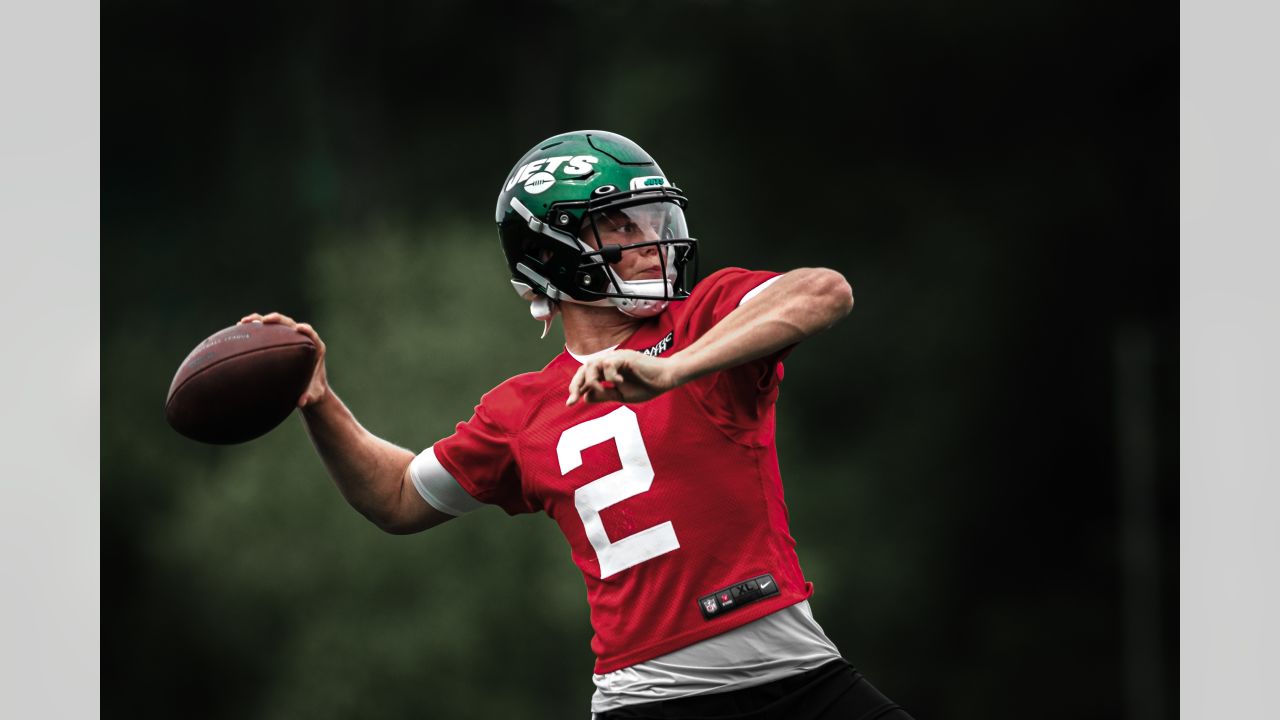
[(539, 182), (538, 176)]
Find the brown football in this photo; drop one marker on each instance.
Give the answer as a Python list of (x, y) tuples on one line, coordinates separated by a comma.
[(240, 383)]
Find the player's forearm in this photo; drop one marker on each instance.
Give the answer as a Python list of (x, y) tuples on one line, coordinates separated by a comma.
[(368, 470), (797, 305)]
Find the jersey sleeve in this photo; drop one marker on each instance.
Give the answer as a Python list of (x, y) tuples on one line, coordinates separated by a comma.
[(476, 465), (720, 294), (739, 399)]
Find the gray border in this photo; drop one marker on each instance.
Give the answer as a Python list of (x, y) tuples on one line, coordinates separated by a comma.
[(49, 360), (49, 278), (1230, 358)]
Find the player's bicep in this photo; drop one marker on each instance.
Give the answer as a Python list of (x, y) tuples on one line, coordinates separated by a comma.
[(416, 514)]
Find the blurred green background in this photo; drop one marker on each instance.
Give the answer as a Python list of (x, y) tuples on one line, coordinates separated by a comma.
[(980, 461)]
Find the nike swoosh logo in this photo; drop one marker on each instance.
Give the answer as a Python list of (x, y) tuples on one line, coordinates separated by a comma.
[(764, 585)]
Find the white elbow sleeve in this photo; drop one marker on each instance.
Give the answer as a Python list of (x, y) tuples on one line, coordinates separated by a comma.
[(438, 487)]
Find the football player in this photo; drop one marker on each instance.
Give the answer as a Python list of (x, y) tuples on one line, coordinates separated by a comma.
[(649, 440)]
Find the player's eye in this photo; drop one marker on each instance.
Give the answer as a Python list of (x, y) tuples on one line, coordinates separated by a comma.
[(623, 227)]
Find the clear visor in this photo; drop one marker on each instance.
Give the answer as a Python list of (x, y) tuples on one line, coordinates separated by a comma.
[(639, 223), (645, 245)]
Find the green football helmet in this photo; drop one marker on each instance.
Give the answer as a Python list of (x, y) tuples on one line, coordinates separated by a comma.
[(571, 190)]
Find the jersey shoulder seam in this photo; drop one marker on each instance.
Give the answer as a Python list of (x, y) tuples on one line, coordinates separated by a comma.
[(516, 444)]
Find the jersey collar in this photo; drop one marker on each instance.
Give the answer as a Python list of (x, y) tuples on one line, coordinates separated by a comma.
[(584, 359)]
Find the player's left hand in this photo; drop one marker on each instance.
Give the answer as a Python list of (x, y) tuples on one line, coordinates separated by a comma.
[(622, 376)]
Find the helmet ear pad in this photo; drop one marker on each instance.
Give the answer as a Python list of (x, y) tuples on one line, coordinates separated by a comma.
[(577, 267), (555, 261), (536, 249)]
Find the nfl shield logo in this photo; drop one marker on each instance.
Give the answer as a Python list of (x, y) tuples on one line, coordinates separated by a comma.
[(709, 604)]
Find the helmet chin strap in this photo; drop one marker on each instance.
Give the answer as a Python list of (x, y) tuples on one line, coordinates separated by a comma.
[(642, 308), (544, 309)]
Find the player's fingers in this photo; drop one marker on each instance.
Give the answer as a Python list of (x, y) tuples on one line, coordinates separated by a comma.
[(251, 317), (613, 372), (600, 376), (583, 381), (590, 384), (575, 386), (605, 393), (276, 317), (306, 329)]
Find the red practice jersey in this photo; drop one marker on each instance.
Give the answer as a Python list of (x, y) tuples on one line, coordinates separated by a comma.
[(673, 508)]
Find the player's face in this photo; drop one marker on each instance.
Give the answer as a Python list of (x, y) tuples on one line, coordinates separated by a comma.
[(631, 225)]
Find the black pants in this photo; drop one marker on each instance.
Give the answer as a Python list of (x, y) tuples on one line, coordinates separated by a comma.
[(834, 691)]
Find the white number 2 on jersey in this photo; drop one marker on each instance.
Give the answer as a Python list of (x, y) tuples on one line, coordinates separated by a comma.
[(634, 478)]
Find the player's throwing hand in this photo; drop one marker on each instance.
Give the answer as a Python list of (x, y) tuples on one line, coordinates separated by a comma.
[(622, 376), (318, 388)]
